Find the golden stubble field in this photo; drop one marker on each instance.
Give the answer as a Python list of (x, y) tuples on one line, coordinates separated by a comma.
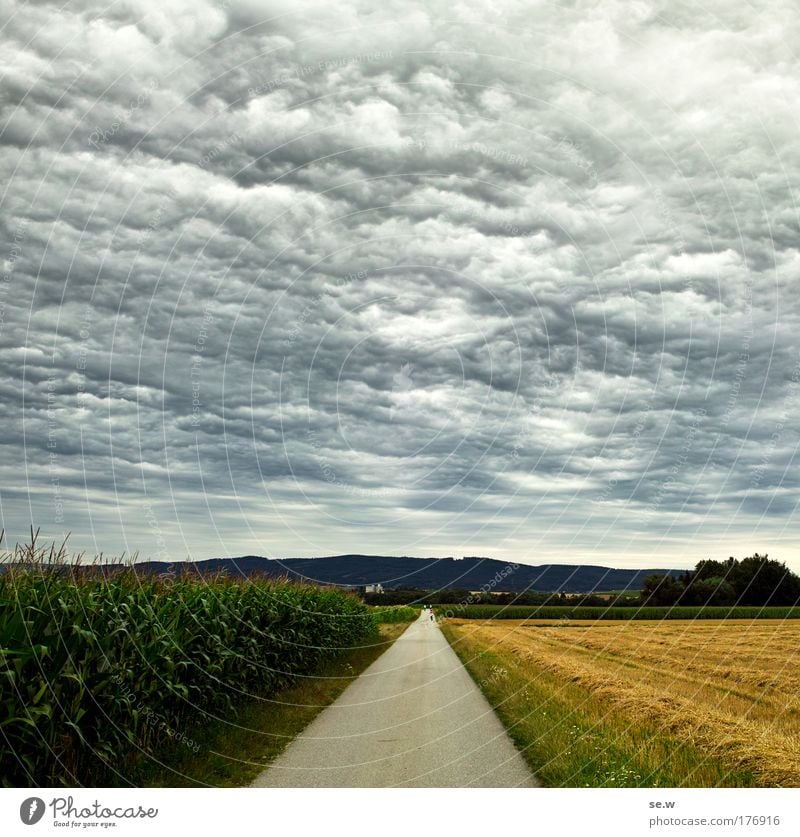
[(729, 691)]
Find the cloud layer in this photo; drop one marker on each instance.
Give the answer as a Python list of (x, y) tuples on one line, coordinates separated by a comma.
[(415, 278)]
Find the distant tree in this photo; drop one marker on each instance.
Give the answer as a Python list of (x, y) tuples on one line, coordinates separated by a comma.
[(758, 580), (591, 601), (714, 592), (712, 569), (625, 601), (660, 590)]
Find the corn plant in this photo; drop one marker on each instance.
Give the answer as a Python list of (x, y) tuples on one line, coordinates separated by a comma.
[(97, 665)]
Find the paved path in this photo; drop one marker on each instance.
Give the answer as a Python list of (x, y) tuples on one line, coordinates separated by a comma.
[(414, 718)]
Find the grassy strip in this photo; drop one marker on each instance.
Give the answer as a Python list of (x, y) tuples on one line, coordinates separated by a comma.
[(571, 737), (394, 613), (232, 752), (615, 613)]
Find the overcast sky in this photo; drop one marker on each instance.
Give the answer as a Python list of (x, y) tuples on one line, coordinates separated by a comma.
[(515, 279)]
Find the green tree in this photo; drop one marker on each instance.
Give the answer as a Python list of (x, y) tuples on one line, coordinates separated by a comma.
[(659, 590), (710, 591), (713, 569), (758, 580)]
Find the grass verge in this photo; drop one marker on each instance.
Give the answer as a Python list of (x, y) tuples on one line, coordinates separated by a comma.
[(232, 752), (572, 736), (394, 613)]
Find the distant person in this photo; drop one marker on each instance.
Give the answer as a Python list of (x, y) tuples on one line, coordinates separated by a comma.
[(433, 618)]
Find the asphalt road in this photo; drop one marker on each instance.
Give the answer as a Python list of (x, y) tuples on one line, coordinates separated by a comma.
[(414, 718)]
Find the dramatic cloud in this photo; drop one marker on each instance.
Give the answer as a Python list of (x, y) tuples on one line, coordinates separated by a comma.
[(518, 280)]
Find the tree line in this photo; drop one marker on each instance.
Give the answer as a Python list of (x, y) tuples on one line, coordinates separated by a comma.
[(451, 596), (756, 580)]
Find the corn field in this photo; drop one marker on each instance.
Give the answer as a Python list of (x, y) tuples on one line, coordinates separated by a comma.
[(94, 670), (394, 614)]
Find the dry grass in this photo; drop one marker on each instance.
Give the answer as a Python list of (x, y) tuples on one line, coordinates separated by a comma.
[(727, 691)]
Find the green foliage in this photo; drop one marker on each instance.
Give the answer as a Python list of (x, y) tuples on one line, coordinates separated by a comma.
[(462, 598), (661, 590), (594, 613), (715, 591), (95, 668), (392, 615), (712, 569), (756, 580)]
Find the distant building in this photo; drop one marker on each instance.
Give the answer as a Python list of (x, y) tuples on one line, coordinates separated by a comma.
[(373, 588)]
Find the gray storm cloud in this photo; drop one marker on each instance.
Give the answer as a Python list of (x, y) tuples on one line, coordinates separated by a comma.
[(415, 278)]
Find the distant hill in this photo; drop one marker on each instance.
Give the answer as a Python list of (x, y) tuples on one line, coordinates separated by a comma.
[(423, 573)]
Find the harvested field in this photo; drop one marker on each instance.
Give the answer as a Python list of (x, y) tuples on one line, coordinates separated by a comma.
[(725, 695)]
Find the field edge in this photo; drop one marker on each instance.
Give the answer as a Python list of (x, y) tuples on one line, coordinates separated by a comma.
[(570, 739)]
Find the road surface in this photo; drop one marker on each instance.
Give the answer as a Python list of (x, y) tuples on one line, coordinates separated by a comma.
[(414, 718)]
